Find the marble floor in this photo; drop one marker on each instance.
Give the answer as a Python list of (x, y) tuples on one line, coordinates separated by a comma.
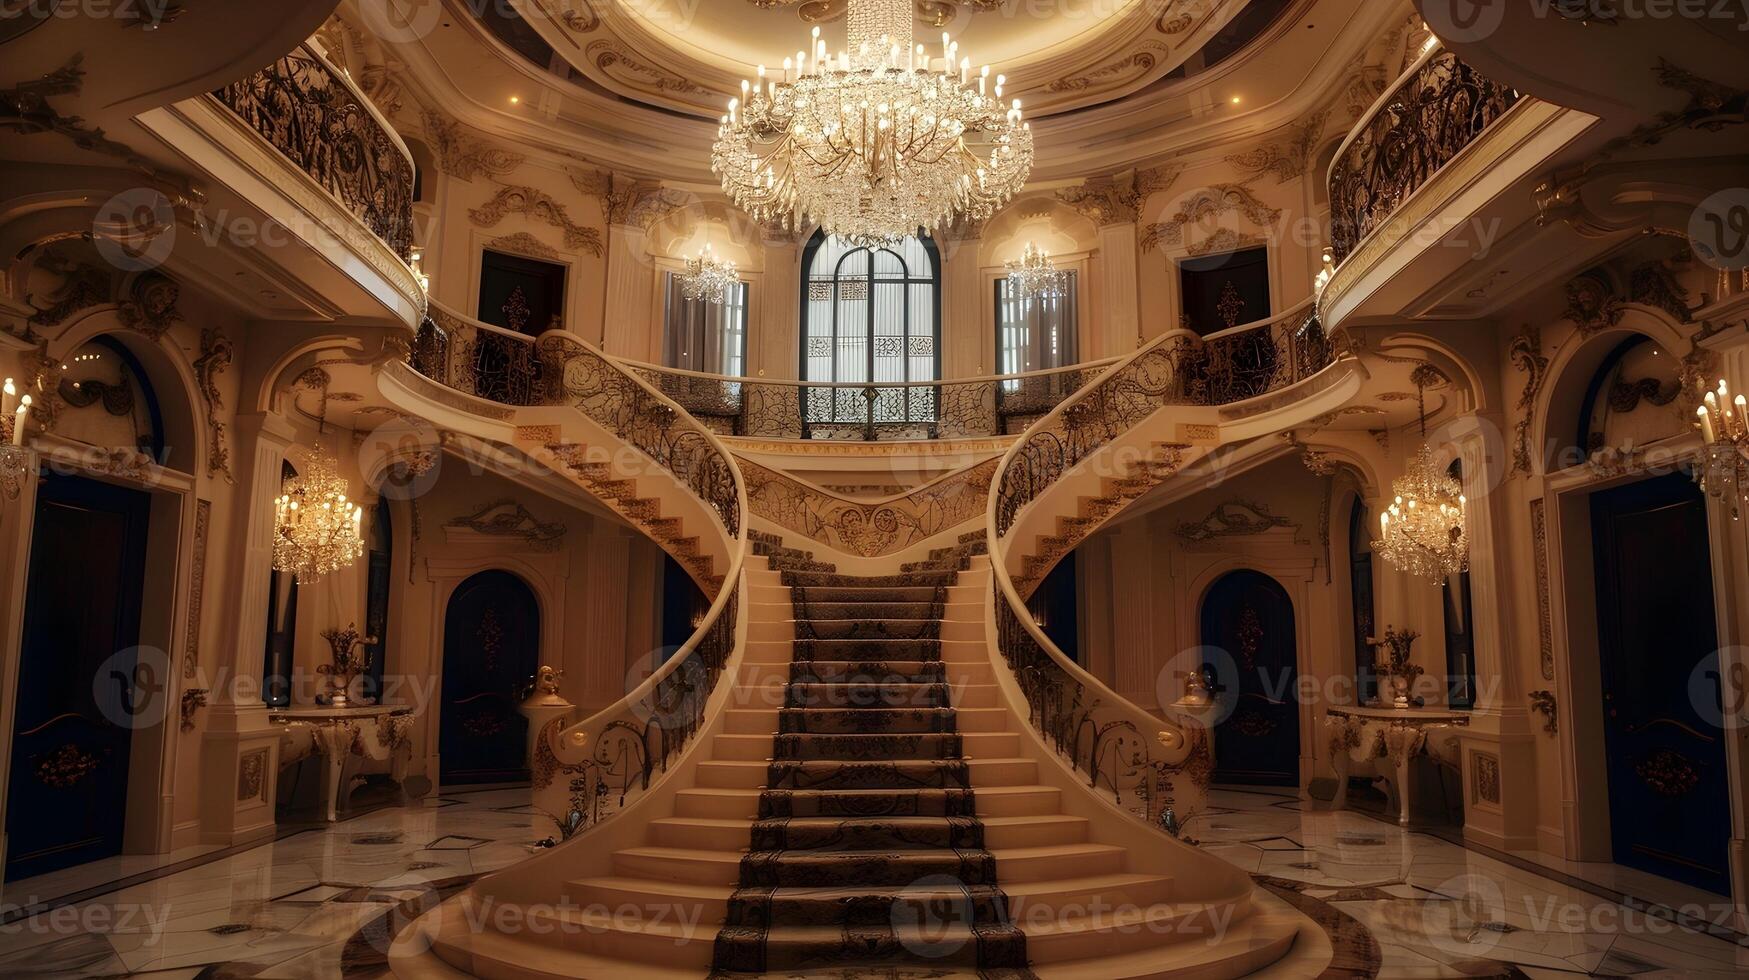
[(1437, 909), (311, 906)]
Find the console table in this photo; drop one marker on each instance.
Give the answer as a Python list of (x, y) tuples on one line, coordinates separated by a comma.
[(1360, 737), (353, 742)]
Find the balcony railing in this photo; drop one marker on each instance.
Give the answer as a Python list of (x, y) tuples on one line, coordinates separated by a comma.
[(870, 412), (316, 118), (1434, 111)]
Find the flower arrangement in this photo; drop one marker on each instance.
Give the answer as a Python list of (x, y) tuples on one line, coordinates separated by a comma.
[(349, 661), (1395, 650)]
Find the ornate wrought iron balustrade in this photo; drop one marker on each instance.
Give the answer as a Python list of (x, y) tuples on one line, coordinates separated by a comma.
[(869, 412), (581, 782), (869, 529), (316, 119), (1179, 369), (1434, 111)]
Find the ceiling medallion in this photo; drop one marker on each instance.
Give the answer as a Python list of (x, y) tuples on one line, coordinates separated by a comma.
[(709, 278), (316, 529), (875, 142), (1422, 531), (1035, 276)]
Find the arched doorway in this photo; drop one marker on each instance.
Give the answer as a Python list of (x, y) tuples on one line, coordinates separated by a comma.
[(491, 646), (1669, 784), (1249, 615)]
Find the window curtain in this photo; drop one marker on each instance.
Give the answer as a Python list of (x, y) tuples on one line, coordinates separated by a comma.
[(704, 336), (1036, 333)]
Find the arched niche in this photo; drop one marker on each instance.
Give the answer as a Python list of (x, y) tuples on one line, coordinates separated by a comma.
[(1052, 225), (1576, 374), (165, 375)]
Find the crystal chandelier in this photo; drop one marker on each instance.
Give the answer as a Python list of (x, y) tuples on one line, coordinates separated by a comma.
[(316, 529), (1034, 275), (1422, 531), (1724, 425), (709, 278), (876, 142)]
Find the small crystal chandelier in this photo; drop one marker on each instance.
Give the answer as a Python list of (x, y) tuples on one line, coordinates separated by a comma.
[(709, 278), (316, 529), (1035, 276), (876, 142), (1422, 531), (1724, 425)]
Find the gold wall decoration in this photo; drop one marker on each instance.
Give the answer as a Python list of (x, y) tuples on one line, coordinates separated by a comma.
[(536, 205), (1117, 199), (1486, 779), (523, 243), (193, 699), (1209, 204), (464, 156), (151, 305), (507, 518), (1287, 159), (1231, 518), (1539, 538), (203, 520), (868, 529), (82, 285), (1654, 284), (252, 776), (1526, 354), (617, 61), (1592, 304), (1543, 703), (215, 356), (66, 767)]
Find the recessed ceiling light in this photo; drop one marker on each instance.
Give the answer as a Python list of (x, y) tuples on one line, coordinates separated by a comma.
[(515, 99), (1235, 100)]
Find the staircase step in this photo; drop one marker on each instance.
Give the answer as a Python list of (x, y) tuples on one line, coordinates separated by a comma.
[(1023, 864), (689, 865), (878, 868)]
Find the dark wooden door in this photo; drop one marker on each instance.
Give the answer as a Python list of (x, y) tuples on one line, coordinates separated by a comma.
[(1669, 802), (491, 646), (78, 693), (524, 295), (1250, 616)]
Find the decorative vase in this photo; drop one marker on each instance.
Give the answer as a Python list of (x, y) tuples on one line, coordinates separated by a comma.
[(1399, 691), (348, 663)]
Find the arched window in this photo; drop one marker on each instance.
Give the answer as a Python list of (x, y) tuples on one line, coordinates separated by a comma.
[(282, 625), (870, 314)]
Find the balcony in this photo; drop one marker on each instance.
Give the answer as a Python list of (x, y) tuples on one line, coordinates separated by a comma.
[(308, 179), (1432, 185)]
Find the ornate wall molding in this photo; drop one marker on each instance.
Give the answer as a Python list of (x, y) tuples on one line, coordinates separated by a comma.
[(536, 205), (215, 356), (523, 243), (870, 530), (507, 518), (1286, 159), (203, 514), (1525, 352), (1539, 539), (151, 305), (1206, 205), (1592, 304), (1230, 519), (1117, 199), (464, 156)]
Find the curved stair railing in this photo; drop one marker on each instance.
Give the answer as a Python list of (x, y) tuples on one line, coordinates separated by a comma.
[(585, 772), (868, 528), (871, 412), (1157, 770)]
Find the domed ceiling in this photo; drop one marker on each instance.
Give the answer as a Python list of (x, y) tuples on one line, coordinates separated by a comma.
[(688, 55)]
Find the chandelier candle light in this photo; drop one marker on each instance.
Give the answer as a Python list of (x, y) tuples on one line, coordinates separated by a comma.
[(709, 278), (1422, 531), (875, 142), (316, 529), (1724, 425), (1035, 276)]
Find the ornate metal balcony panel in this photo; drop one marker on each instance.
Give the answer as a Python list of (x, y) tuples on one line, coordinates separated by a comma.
[(1436, 110), (315, 118)]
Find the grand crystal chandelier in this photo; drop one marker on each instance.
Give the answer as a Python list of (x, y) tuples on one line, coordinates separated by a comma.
[(709, 278), (317, 530), (876, 142), (1035, 276), (1422, 531)]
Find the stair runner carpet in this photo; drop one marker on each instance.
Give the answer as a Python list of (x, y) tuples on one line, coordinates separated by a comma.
[(867, 858)]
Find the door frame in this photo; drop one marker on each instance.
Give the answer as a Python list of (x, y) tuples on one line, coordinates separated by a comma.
[(1585, 832), (544, 574), (1295, 576)]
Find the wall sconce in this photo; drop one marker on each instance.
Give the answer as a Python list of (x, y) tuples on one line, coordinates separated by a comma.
[(1724, 425)]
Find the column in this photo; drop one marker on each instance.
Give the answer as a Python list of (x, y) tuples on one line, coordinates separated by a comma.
[(604, 615), (1132, 602), (17, 523), (968, 343), (1499, 734), (775, 350), (240, 755), (630, 327), (1119, 319)]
